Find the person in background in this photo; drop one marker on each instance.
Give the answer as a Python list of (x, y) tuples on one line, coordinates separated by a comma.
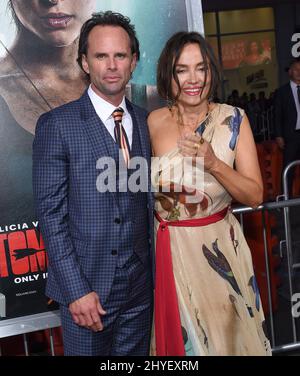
[(236, 101), (255, 55), (287, 118), (262, 101), (244, 101), (253, 111)]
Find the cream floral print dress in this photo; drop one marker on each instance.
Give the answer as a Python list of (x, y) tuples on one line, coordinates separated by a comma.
[(218, 299)]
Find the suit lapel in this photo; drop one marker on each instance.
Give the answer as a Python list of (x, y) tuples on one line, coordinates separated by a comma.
[(139, 123), (100, 139), (291, 99)]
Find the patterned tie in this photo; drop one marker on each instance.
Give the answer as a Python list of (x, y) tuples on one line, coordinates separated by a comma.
[(298, 92), (120, 134)]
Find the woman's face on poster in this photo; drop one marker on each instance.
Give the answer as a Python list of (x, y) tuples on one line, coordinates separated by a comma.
[(254, 48), (57, 23)]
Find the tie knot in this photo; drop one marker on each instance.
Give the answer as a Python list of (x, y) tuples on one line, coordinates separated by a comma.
[(118, 114)]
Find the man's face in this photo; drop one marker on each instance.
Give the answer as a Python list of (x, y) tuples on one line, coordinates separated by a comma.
[(109, 62), (294, 73)]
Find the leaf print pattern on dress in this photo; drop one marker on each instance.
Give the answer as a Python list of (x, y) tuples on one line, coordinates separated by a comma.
[(205, 338), (220, 264), (191, 199), (203, 125), (254, 285), (234, 242), (250, 311), (234, 124), (233, 301), (188, 347), (201, 129), (264, 328)]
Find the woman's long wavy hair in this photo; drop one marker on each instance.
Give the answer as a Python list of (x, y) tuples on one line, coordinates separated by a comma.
[(14, 15)]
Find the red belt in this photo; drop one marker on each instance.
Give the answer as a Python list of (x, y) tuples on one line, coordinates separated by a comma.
[(168, 332)]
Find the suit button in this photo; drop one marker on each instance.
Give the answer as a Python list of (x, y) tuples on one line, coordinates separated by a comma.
[(114, 252), (117, 221)]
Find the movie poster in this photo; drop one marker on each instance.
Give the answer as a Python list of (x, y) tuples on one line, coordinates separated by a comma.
[(38, 72), (249, 62)]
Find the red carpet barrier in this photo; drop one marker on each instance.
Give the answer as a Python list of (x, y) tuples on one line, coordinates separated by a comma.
[(270, 160)]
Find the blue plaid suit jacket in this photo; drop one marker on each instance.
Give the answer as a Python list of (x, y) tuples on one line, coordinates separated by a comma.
[(76, 221)]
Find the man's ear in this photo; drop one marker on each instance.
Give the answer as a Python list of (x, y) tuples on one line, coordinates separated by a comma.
[(85, 64)]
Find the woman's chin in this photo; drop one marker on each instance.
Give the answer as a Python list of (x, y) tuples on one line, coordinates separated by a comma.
[(59, 39)]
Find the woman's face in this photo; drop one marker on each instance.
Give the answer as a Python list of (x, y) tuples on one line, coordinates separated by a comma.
[(56, 24), (191, 72), (254, 48)]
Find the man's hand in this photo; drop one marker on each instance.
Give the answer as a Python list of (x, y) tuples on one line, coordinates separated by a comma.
[(87, 312), (280, 142)]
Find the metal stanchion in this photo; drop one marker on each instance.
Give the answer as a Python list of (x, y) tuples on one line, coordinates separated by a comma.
[(51, 342), (279, 204), (25, 344), (268, 279), (287, 226)]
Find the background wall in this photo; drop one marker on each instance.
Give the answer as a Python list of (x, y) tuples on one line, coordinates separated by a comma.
[(155, 22)]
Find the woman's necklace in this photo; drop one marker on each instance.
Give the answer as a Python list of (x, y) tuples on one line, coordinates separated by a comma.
[(200, 120)]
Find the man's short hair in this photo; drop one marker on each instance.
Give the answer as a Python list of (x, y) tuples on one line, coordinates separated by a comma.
[(292, 62), (108, 18)]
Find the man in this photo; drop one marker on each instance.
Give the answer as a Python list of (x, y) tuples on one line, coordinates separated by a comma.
[(98, 242), (287, 118)]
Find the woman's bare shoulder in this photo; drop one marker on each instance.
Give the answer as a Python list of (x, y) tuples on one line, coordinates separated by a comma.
[(9, 73), (7, 66), (157, 117)]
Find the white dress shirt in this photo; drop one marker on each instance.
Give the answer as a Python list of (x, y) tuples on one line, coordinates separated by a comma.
[(105, 109), (295, 94)]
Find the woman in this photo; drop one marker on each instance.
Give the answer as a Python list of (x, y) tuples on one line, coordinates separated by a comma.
[(255, 55), (38, 73), (206, 296)]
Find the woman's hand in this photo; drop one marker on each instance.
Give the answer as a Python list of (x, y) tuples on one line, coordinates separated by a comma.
[(193, 145)]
